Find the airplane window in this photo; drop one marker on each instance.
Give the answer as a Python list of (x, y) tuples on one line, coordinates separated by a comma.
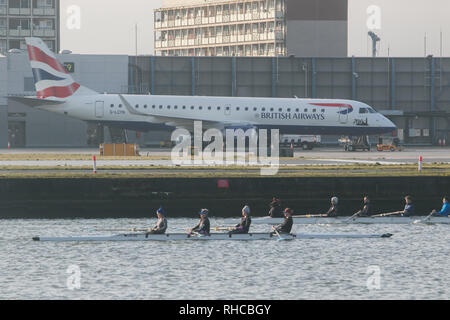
[(227, 108), (246, 109), (218, 108), (175, 107), (280, 110), (363, 110), (120, 106), (297, 110), (168, 107), (323, 110), (255, 109), (192, 107), (263, 109), (271, 109), (306, 110), (209, 108), (153, 106), (112, 106), (237, 108), (289, 110), (200, 108), (145, 106), (184, 107), (137, 106), (314, 110), (160, 106)]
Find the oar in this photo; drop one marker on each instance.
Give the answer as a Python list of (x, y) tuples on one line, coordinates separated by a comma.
[(388, 214), (121, 230), (425, 219), (347, 220), (280, 238), (223, 228), (310, 216)]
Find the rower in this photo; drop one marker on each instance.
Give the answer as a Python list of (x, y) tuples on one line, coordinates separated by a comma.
[(204, 225), (445, 211), (275, 208), (408, 211), (161, 224), (244, 226), (366, 211), (287, 224), (333, 211)]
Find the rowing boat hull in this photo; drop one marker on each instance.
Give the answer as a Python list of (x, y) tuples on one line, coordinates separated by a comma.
[(345, 220), (214, 236)]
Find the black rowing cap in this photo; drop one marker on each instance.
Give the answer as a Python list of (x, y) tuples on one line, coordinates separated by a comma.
[(36, 239)]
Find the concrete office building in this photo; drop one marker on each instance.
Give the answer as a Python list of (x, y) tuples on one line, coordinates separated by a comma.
[(302, 28), (29, 18)]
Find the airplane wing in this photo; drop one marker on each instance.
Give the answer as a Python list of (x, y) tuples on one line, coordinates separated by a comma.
[(183, 123)]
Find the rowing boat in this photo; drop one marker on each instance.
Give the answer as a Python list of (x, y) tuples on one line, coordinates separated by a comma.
[(213, 236), (346, 220)]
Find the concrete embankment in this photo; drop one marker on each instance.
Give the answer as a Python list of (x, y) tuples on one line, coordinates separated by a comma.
[(183, 197)]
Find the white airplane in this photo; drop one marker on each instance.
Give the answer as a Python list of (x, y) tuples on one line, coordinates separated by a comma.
[(58, 92)]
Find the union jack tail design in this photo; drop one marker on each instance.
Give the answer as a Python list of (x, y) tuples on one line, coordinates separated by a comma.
[(50, 77)]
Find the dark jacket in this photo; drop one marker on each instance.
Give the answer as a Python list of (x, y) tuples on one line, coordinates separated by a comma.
[(333, 211), (275, 210), (202, 227), (161, 226), (286, 226), (409, 210), (366, 211), (243, 226)]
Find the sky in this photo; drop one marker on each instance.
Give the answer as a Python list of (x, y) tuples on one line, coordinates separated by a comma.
[(108, 26)]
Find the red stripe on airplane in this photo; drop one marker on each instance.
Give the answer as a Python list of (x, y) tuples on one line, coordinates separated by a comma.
[(36, 54), (58, 92), (339, 105)]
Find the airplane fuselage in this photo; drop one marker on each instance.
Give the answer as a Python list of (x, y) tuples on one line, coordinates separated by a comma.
[(290, 116)]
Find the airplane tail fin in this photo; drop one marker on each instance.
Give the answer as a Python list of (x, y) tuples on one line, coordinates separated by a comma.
[(52, 81)]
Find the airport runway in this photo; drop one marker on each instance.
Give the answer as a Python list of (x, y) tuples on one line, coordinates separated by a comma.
[(320, 156)]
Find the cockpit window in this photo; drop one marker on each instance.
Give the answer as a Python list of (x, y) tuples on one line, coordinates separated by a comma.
[(363, 110), (372, 111)]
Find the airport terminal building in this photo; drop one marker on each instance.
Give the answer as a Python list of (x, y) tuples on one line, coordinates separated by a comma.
[(413, 92)]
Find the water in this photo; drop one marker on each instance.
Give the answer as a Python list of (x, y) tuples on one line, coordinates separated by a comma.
[(413, 264)]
